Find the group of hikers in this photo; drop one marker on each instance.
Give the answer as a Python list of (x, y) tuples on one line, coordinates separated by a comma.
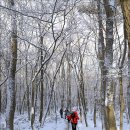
[(71, 116)]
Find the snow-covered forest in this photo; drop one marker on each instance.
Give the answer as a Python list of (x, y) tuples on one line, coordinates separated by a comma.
[(64, 54)]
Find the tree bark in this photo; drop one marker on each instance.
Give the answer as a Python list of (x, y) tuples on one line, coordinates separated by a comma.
[(101, 58), (63, 85), (110, 12), (68, 81), (33, 105), (125, 5), (0, 69), (42, 86), (81, 85), (10, 108), (26, 76), (121, 101)]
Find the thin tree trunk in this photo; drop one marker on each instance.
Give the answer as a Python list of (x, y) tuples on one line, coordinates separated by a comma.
[(94, 115), (121, 63), (0, 70), (28, 101), (80, 106), (33, 94), (82, 94), (68, 82), (121, 101), (32, 105), (63, 85), (0, 80), (10, 109), (78, 94), (42, 86), (19, 93), (101, 57), (128, 88), (95, 104)]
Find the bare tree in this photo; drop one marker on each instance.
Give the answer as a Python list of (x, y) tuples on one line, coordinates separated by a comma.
[(125, 5), (0, 69), (10, 110), (101, 57), (110, 116), (69, 69)]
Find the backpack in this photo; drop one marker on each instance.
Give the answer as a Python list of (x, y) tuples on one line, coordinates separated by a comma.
[(73, 115)]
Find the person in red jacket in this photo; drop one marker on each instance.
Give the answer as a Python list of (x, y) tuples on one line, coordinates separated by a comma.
[(74, 119)]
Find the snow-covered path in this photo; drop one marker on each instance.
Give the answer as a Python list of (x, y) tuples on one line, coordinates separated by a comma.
[(22, 123), (56, 123), (62, 124)]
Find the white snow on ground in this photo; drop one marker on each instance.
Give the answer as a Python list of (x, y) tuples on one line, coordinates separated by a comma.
[(62, 124), (21, 123)]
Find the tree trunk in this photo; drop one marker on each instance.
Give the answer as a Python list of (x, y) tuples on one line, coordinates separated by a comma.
[(0, 77), (110, 116), (42, 86), (10, 109), (95, 103), (0, 69), (68, 82), (63, 85), (101, 58), (28, 101), (33, 105), (81, 85), (125, 5), (121, 101), (94, 115)]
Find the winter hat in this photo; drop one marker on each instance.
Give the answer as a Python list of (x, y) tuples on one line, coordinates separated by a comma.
[(74, 109)]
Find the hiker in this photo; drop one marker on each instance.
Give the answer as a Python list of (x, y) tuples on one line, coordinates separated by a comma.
[(66, 112), (61, 112), (73, 118)]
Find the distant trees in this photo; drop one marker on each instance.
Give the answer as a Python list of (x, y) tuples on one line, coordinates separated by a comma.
[(51, 54)]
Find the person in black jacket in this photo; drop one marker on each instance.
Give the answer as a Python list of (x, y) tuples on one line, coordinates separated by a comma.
[(61, 112)]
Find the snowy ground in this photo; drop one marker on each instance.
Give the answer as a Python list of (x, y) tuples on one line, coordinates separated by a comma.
[(53, 124), (22, 123), (62, 124)]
